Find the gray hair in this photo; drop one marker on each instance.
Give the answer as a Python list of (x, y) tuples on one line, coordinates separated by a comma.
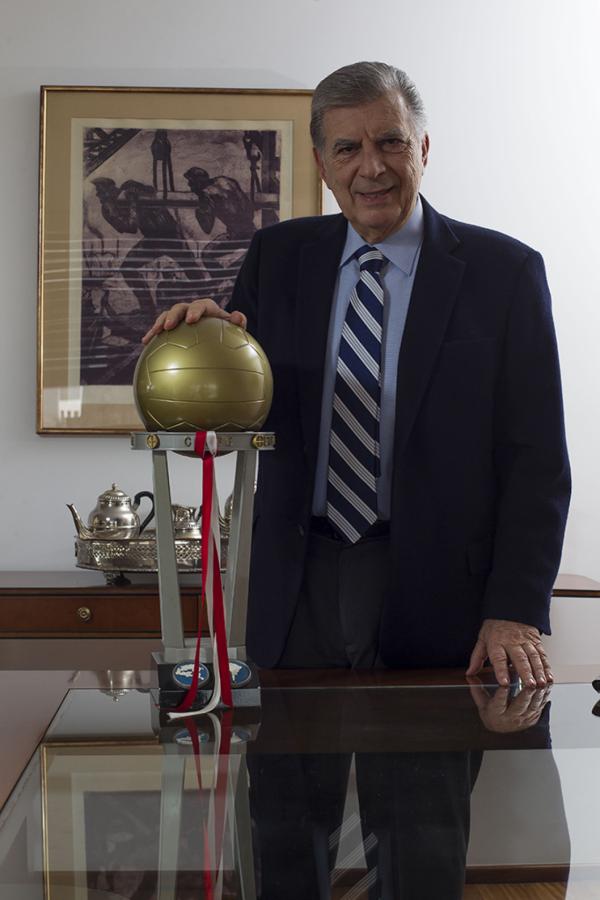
[(364, 82)]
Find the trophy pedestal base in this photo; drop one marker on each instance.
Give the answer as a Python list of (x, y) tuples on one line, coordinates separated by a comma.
[(244, 723), (173, 678)]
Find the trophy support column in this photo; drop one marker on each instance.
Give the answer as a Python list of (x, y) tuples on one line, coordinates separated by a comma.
[(173, 662), (168, 579), (238, 556)]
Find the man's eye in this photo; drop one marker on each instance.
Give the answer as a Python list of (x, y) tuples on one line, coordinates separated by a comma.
[(394, 144), (345, 150)]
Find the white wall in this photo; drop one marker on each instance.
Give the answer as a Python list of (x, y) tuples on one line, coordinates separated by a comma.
[(511, 90)]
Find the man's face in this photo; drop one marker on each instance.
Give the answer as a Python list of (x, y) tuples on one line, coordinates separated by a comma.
[(373, 162)]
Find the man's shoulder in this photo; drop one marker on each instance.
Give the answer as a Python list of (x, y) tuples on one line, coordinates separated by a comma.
[(477, 239)]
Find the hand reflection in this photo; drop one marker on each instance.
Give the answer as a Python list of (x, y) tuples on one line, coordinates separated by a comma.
[(503, 713)]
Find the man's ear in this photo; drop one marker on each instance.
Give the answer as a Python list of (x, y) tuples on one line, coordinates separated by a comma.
[(425, 149), (320, 165)]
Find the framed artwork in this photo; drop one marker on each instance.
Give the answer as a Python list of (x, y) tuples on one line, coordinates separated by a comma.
[(149, 196)]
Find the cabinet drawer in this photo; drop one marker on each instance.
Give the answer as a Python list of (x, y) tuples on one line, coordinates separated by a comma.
[(89, 614)]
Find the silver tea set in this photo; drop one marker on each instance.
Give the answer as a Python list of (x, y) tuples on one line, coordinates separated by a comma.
[(116, 539)]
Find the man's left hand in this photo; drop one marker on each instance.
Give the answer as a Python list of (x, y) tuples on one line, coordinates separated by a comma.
[(503, 642)]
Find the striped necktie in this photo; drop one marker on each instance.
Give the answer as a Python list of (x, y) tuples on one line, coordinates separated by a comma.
[(354, 450)]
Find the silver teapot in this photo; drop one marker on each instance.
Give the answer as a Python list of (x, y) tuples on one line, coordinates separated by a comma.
[(113, 517), (186, 521)]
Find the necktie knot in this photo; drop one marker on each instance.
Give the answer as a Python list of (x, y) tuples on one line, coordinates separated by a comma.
[(370, 259)]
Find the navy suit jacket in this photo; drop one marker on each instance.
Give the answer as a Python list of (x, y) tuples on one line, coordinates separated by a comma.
[(481, 477)]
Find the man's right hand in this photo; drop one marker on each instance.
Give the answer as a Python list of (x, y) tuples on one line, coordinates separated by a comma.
[(192, 312)]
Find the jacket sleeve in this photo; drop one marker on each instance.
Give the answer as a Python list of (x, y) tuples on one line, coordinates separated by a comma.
[(245, 292), (530, 458)]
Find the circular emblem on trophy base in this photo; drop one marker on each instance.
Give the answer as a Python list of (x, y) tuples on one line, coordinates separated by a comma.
[(183, 737), (183, 672), (240, 672)]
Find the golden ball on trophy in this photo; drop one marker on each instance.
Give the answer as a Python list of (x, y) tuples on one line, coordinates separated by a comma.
[(209, 376)]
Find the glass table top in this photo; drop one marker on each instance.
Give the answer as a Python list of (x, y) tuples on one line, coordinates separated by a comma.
[(386, 792)]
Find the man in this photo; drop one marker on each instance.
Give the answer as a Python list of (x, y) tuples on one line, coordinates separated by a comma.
[(456, 562)]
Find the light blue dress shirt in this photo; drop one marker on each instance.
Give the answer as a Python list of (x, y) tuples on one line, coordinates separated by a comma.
[(401, 250)]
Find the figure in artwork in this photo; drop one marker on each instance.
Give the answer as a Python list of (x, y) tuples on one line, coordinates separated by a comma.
[(167, 215)]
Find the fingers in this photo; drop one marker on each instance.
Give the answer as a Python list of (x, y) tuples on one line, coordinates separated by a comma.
[(497, 657), (499, 661), (156, 328), (545, 662), (520, 661), (191, 313), (531, 663), (238, 318), (167, 320), (539, 666), (478, 657), (532, 666), (175, 315), (204, 306)]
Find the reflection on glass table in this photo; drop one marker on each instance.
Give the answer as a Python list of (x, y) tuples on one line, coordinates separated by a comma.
[(425, 793)]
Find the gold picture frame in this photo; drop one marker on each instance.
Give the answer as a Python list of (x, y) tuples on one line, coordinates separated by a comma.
[(149, 196)]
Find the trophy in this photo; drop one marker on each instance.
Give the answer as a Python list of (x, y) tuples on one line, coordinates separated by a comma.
[(211, 376)]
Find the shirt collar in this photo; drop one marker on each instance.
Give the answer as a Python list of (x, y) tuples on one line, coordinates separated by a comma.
[(400, 248)]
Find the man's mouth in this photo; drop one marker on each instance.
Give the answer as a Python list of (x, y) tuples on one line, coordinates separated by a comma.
[(373, 197)]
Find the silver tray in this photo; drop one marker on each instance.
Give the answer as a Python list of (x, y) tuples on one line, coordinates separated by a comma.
[(114, 557)]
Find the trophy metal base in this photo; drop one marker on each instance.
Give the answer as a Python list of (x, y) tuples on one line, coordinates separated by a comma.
[(172, 679)]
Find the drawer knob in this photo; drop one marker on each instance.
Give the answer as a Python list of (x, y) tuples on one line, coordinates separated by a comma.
[(84, 613)]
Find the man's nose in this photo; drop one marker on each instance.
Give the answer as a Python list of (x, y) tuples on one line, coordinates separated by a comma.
[(372, 163)]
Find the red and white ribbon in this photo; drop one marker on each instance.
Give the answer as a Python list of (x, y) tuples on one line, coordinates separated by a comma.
[(205, 445), (217, 783)]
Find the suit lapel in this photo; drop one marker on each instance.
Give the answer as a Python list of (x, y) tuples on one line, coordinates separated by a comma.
[(434, 293), (318, 268), (438, 277)]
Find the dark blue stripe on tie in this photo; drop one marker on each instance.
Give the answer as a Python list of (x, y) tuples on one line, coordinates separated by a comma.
[(352, 442), (350, 478), (370, 300), (348, 511), (364, 335), (349, 398)]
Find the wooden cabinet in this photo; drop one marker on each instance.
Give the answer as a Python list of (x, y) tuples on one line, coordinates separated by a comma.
[(80, 604)]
